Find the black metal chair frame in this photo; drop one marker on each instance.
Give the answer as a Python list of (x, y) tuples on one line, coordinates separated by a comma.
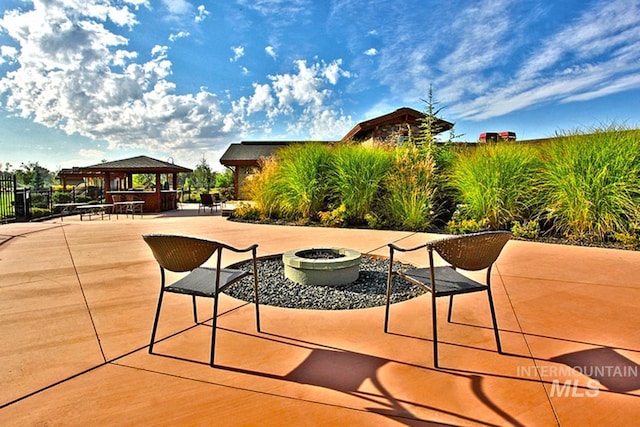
[(187, 254), (470, 252)]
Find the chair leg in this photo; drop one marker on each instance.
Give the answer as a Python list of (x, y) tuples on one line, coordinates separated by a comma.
[(386, 312), (155, 322), (434, 317), (195, 309), (255, 291), (450, 308), (493, 318), (214, 329)]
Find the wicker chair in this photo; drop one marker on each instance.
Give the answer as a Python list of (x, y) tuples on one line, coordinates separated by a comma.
[(471, 252), (187, 254)]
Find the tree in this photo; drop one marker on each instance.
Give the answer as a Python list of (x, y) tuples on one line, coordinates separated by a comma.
[(431, 124), (33, 175), (144, 180), (203, 176), (224, 179)]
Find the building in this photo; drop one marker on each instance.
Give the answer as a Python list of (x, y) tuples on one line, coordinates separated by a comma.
[(387, 130), (393, 128), (116, 178)]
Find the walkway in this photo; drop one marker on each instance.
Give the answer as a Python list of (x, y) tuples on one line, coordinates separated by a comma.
[(77, 301)]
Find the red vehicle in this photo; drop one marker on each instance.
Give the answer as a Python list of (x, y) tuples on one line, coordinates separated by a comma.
[(488, 137), (497, 136), (507, 136)]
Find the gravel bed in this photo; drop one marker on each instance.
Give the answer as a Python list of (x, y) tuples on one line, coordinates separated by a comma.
[(369, 290)]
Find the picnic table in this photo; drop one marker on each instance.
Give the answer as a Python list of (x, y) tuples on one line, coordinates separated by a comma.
[(66, 208), (129, 207), (95, 210)]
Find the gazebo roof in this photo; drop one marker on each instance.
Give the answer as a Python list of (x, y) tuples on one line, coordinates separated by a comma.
[(140, 164)]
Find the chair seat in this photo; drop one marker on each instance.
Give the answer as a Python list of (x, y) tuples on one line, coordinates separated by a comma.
[(202, 281), (448, 281)]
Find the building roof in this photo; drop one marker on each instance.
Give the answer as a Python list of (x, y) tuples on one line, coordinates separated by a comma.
[(401, 115), (140, 164), (246, 153)]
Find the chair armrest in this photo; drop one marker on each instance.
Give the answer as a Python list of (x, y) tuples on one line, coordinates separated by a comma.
[(238, 250), (398, 248)]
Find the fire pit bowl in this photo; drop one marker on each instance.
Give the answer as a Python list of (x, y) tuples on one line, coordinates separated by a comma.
[(322, 266)]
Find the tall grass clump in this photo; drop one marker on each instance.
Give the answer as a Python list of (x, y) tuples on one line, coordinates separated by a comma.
[(590, 184), (261, 188), (495, 184), (410, 189), (300, 185), (356, 176)]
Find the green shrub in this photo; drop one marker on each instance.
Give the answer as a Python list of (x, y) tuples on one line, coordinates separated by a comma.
[(528, 229), (39, 200), (39, 212), (590, 185), (410, 189), (247, 212), (334, 218), (62, 197), (629, 240), (261, 188), (355, 178), (300, 185), (496, 182), (461, 224)]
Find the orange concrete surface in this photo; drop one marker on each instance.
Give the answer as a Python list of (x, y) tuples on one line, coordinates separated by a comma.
[(77, 302)]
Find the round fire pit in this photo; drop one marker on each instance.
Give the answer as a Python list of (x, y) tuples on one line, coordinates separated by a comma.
[(322, 266)]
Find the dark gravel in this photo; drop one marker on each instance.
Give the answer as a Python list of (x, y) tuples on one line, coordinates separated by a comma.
[(368, 291)]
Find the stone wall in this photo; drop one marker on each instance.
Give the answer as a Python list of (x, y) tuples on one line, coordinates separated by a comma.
[(389, 135)]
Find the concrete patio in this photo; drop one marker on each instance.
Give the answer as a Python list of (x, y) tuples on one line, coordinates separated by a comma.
[(77, 302)]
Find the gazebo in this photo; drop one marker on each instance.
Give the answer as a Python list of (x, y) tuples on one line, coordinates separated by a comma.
[(118, 180)]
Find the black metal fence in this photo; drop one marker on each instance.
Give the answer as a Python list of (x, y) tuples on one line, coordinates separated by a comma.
[(7, 197), (17, 204)]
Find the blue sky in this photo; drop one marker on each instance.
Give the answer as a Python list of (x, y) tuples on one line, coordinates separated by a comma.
[(87, 80)]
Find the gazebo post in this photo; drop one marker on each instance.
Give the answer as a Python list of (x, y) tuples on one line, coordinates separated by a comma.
[(107, 186)]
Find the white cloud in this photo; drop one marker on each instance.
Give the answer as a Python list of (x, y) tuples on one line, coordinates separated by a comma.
[(178, 8), (74, 74), (282, 10), (8, 54), (178, 35), (333, 72), (300, 101), (202, 14), (492, 58), (371, 52), (261, 100), (270, 51), (238, 52), (589, 58)]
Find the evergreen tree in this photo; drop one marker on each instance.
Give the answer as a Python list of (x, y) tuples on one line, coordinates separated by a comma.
[(203, 176)]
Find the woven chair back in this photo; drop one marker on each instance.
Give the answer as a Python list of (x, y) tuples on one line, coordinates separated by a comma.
[(180, 253), (472, 252)]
